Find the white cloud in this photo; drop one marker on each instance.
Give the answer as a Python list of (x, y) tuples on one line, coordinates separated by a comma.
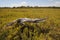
[(14, 5), (50, 0), (54, 3), (53, 0), (19, 4), (57, 3), (23, 4)]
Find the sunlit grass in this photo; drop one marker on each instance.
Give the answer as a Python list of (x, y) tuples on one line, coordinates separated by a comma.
[(44, 30)]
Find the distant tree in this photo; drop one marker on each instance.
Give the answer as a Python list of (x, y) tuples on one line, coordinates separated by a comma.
[(36, 6)]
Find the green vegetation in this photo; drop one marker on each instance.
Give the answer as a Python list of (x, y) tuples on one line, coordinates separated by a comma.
[(48, 30)]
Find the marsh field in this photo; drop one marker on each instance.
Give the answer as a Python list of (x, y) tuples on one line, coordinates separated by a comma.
[(48, 30)]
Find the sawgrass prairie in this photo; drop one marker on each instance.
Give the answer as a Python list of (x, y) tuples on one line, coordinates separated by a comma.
[(48, 30)]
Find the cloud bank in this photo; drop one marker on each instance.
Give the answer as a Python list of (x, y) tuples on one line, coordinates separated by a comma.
[(18, 3)]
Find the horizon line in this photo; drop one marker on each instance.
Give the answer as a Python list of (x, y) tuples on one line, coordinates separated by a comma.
[(30, 6)]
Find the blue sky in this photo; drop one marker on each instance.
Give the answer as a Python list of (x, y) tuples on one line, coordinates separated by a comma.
[(16, 3)]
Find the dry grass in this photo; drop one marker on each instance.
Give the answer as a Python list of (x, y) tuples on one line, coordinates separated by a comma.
[(48, 30)]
